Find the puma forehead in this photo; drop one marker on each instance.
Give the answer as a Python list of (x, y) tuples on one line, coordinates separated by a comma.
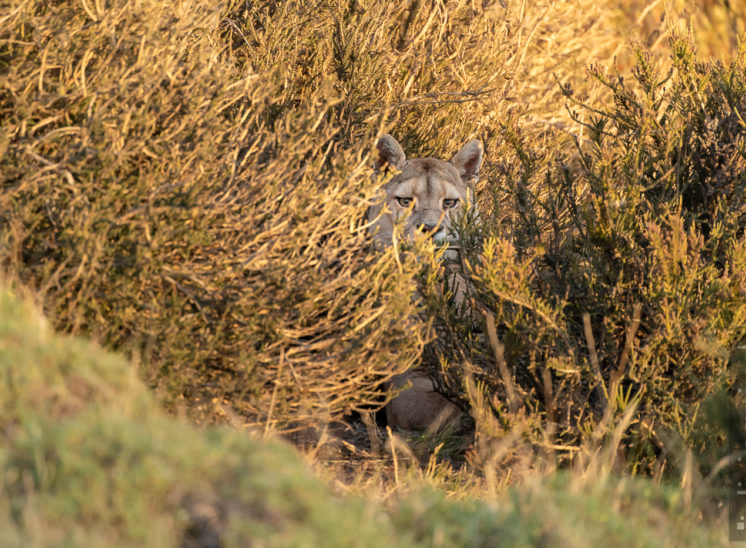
[(431, 169), (428, 177)]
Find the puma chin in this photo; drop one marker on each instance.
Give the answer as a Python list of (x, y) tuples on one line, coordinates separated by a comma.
[(429, 194)]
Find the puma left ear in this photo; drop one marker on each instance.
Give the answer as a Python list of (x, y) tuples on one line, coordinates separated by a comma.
[(467, 161)]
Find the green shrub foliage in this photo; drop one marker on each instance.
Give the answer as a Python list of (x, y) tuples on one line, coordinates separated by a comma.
[(614, 276)]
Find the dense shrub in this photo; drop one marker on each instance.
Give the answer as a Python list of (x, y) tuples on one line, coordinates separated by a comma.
[(613, 279), (189, 181), (160, 200)]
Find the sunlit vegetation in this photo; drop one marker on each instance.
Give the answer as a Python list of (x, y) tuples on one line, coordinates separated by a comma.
[(186, 184)]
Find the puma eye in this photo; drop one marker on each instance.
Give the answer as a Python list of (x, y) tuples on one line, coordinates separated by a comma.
[(404, 202), (449, 203)]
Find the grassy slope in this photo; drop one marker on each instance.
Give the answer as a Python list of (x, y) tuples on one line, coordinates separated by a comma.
[(88, 459)]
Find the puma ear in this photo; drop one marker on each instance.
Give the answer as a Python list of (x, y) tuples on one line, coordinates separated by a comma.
[(468, 159), (389, 153)]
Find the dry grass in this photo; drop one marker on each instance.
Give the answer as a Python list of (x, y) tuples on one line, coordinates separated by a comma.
[(717, 25)]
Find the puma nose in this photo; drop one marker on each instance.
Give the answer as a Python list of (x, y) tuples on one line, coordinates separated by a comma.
[(426, 227)]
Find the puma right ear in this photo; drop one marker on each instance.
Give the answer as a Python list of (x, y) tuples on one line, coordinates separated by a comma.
[(467, 161), (390, 153)]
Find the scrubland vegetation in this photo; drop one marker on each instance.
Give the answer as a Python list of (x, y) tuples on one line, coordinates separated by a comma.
[(186, 183)]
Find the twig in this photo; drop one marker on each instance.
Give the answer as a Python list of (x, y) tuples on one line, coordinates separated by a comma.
[(631, 332), (499, 351), (370, 426), (465, 96), (594, 357)]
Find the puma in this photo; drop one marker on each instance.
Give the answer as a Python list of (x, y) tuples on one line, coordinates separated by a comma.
[(427, 196)]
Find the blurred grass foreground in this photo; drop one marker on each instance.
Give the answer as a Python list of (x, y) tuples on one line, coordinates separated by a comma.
[(185, 183)]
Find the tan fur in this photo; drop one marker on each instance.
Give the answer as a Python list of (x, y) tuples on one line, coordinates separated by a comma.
[(427, 195), (418, 407)]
